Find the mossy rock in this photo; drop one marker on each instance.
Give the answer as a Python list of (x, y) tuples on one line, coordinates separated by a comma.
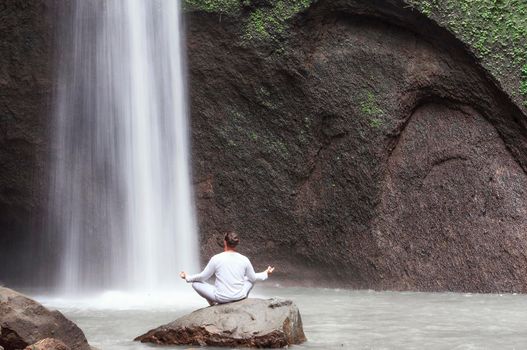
[(495, 31)]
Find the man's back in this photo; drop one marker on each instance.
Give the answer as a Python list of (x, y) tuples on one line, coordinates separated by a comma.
[(231, 271)]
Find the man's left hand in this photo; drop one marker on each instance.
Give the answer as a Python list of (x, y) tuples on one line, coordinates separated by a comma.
[(269, 270)]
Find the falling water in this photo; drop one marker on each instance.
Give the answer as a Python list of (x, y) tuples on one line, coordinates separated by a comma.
[(121, 197)]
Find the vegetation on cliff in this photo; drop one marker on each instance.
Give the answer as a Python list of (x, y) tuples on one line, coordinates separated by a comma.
[(496, 30), (262, 22)]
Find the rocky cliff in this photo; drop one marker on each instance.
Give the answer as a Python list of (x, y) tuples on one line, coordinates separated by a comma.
[(351, 142), (364, 145), (25, 104)]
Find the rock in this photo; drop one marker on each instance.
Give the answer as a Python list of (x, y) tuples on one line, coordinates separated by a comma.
[(25, 82), (48, 344), (254, 323), (24, 322), (368, 172)]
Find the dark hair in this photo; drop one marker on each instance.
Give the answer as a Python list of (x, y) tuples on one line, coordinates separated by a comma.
[(232, 239)]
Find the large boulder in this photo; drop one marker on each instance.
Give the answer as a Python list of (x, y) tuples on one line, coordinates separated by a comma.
[(254, 323), (24, 322), (48, 344)]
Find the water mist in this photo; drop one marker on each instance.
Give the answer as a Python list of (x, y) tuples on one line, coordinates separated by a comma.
[(121, 197)]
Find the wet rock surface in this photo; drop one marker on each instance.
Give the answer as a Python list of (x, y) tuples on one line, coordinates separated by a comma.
[(24, 322), (370, 150), (48, 344), (254, 323), (25, 96)]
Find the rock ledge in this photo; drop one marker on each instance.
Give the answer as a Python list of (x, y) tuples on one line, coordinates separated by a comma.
[(255, 323), (24, 322)]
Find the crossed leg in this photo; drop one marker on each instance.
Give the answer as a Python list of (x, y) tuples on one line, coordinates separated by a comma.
[(206, 291)]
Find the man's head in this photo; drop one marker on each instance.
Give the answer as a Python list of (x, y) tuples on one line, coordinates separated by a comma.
[(231, 239)]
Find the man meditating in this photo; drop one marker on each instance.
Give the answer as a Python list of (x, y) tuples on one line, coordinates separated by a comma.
[(235, 276)]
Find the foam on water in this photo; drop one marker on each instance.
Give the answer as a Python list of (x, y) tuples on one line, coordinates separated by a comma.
[(181, 298), (119, 300)]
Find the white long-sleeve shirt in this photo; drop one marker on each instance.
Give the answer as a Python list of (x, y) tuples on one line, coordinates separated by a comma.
[(231, 270)]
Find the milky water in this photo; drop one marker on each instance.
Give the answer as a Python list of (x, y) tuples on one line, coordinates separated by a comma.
[(333, 319)]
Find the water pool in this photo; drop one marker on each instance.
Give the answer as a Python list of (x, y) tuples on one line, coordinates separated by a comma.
[(333, 318)]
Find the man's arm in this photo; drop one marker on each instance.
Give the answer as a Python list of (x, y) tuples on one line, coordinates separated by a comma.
[(249, 272), (260, 276), (204, 275)]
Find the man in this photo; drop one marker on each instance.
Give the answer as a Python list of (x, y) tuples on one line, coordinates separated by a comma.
[(235, 276)]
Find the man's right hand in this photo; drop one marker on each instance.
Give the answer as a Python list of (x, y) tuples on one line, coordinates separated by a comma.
[(269, 270), (183, 275)]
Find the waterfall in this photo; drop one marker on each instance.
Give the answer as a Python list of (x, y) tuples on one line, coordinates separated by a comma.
[(121, 199)]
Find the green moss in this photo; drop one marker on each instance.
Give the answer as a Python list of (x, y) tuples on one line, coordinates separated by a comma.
[(369, 105), (229, 7), (264, 98), (270, 23), (523, 82), (426, 8), (262, 24), (237, 132), (256, 26), (276, 147), (496, 29), (376, 123), (370, 108)]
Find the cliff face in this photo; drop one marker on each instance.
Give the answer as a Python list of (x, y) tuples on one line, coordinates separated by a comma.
[(495, 31), (25, 97), (360, 145), (367, 147)]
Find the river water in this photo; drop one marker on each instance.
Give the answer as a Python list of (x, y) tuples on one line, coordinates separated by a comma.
[(333, 318)]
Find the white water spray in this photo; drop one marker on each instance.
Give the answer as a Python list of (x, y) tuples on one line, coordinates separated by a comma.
[(121, 194)]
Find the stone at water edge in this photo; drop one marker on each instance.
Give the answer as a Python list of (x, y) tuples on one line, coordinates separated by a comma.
[(48, 344), (24, 322), (255, 323)]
